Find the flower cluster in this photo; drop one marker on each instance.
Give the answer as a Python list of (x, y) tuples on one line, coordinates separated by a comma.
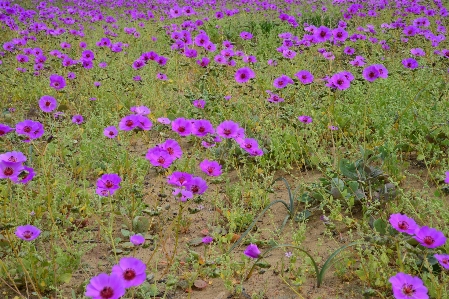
[(11, 167), (186, 185)]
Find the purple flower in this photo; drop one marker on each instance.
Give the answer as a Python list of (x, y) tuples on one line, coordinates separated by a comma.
[(78, 119), (5, 129), (248, 145), (107, 184), (403, 223), (48, 103), (172, 147), (144, 123), (211, 168), (161, 76), (443, 259), (203, 62), (200, 103), (182, 126), (383, 72), (252, 251), (159, 157), (305, 77), (446, 180), (333, 128), (137, 239), (227, 129), (244, 74), (322, 34), (104, 286), (26, 175), (131, 271), (207, 240), (57, 82), (197, 185), (183, 195), (417, 52), (141, 110), (282, 81), (27, 232), (31, 129), (110, 132), (71, 76), (305, 119), (408, 287), (102, 65), (128, 123), (246, 35), (202, 127), (180, 179), (10, 170), (371, 73), (13, 157), (164, 120), (410, 63), (429, 237), (339, 81)]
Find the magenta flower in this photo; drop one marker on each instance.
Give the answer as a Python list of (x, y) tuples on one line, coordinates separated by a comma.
[(162, 76), (371, 73), (57, 82), (144, 123), (31, 129), (211, 168), (246, 35), (333, 128), (305, 77), (383, 72), (48, 103), (197, 185), (128, 123), (140, 110), (244, 74), (430, 237), (13, 157), (131, 271), (305, 119), (104, 286), (26, 175), (252, 251), (403, 224), (410, 63), (172, 147), (249, 145), (27, 232), (202, 127), (207, 240), (159, 157), (200, 103), (322, 34), (164, 120), (408, 287), (282, 81), (77, 119), (182, 126), (446, 180), (5, 129), (107, 184), (110, 132), (443, 259), (227, 129), (182, 195), (137, 239), (417, 52), (180, 179), (339, 81)]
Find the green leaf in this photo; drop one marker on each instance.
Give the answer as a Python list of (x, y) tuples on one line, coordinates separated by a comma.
[(140, 224), (380, 226), (65, 278), (348, 169), (303, 215), (125, 232)]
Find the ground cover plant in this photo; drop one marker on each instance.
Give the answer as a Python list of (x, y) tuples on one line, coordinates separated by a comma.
[(224, 149)]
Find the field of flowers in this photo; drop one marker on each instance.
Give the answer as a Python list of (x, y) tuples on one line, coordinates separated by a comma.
[(224, 149)]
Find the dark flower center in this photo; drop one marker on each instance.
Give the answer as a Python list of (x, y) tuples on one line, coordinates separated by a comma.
[(111, 133), (195, 189), (47, 103), (428, 240), (107, 292), (248, 145), (322, 33), (181, 180), (339, 34), (181, 129), (56, 84), (12, 159), (340, 82), (27, 234), (161, 160), (210, 169), (170, 151), (2, 132), (129, 123), (129, 274), (243, 76), (403, 225), (408, 290), (227, 132), (27, 129), (201, 129), (8, 171), (109, 184)]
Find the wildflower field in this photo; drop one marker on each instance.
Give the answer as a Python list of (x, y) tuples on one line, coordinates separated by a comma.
[(224, 149)]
